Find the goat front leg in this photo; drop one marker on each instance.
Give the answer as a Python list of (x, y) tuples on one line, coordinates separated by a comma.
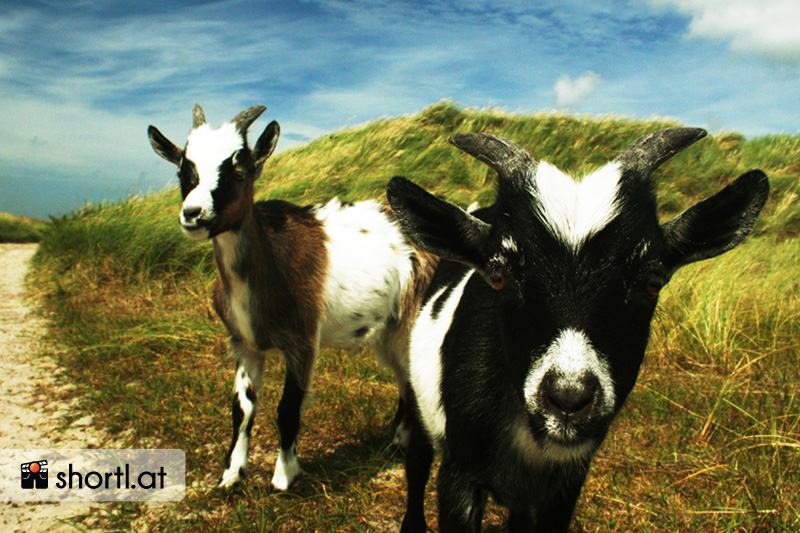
[(247, 385), (461, 501), (299, 368), (555, 514)]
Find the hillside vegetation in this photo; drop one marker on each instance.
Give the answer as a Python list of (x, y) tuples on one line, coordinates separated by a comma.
[(15, 228), (709, 440)]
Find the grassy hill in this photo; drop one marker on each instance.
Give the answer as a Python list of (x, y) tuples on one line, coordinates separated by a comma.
[(708, 441), (20, 229)]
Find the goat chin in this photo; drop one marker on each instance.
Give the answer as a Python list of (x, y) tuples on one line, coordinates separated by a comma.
[(567, 453), (196, 233)]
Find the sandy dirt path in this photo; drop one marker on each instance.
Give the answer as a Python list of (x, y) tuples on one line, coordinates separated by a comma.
[(31, 420)]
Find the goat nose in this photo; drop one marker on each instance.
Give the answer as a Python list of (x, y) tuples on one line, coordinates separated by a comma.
[(569, 397), (191, 213)]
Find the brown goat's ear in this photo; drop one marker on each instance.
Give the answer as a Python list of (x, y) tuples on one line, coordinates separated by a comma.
[(265, 145), (164, 147)]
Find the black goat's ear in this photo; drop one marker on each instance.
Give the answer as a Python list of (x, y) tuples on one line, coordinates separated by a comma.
[(437, 226), (265, 145), (164, 147), (716, 224)]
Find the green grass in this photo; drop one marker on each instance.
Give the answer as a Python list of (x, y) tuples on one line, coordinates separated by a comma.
[(709, 440), (20, 229)]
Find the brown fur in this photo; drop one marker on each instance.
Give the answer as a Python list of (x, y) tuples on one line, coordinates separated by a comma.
[(283, 261)]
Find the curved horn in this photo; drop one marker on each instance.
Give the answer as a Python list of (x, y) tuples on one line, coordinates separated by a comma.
[(244, 119), (503, 155), (198, 117), (645, 154)]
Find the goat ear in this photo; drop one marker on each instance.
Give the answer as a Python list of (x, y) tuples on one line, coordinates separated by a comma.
[(265, 145), (716, 224), (164, 147), (438, 226)]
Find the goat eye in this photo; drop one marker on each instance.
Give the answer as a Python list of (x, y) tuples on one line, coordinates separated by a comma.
[(238, 175), (653, 286), (497, 280)]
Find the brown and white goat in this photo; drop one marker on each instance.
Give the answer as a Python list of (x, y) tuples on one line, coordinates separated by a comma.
[(291, 278)]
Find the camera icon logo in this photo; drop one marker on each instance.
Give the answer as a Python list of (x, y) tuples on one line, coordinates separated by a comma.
[(34, 475)]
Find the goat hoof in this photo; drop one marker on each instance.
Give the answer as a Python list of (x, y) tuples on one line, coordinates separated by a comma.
[(287, 469), (281, 481), (231, 478)]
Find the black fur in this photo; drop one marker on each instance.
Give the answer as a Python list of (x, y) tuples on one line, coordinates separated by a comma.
[(497, 435)]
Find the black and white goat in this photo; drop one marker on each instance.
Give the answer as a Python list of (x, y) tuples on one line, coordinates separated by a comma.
[(535, 324), (291, 278)]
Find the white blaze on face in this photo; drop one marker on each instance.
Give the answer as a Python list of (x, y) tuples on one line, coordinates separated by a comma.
[(575, 210), (207, 149), (570, 357)]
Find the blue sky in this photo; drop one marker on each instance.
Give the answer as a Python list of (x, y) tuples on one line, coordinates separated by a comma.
[(80, 81)]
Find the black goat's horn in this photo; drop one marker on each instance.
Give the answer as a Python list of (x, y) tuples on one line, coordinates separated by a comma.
[(244, 119), (198, 117), (645, 154), (509, 159)]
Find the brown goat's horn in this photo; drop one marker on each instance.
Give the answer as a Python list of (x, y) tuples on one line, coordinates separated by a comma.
[(645, 154), (504, 155), (244, 119), (198, 117)]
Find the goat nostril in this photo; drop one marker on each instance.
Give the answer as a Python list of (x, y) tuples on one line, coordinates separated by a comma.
[(191, 213), (565, 403), (570, 398), (572, 402)]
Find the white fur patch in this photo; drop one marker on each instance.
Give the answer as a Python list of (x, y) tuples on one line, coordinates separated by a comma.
[(238, 459), (369, 269), (575, 210), (426, 358), (207, 149), (571, 356), (286, 469)]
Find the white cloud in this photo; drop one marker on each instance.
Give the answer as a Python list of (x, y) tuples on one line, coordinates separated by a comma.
[(765, 27), (570, 92)]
